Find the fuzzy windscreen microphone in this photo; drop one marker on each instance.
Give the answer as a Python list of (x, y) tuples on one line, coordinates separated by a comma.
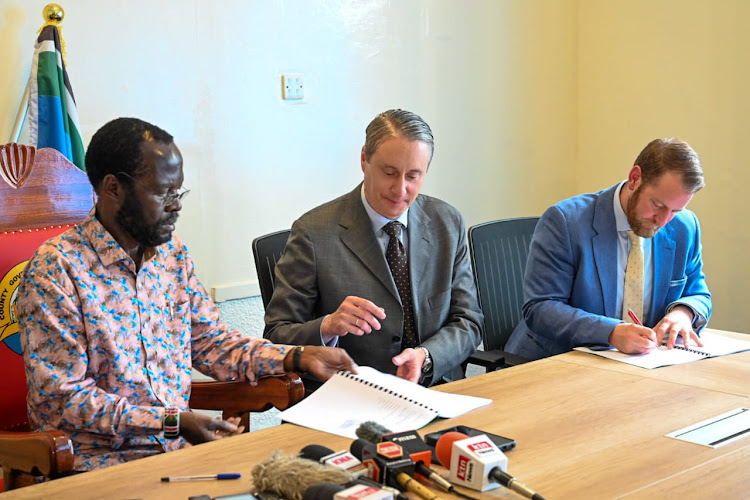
[(291, 476), (372, 431)]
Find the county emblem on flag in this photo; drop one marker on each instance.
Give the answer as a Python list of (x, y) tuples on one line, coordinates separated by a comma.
[(53, 116)]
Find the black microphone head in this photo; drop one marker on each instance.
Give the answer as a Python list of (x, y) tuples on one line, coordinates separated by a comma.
[(314, 452), (322, 491), (371, 431), (359, 446)]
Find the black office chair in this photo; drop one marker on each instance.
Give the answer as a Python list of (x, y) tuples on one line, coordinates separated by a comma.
[(267, 251), (499, 250)]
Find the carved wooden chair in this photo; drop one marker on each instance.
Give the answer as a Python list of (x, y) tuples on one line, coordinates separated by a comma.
[(41, 195)]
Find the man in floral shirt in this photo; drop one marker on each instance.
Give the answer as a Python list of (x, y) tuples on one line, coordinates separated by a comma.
[(112, 316)]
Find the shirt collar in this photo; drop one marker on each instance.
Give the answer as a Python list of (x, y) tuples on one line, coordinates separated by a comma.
[(104, 244), (620, 218), (377, 220)]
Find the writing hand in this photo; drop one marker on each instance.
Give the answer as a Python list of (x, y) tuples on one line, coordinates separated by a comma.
[(633, 339), (355, 315)]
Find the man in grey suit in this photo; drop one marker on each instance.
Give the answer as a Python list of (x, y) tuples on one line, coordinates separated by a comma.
[(335, 284)]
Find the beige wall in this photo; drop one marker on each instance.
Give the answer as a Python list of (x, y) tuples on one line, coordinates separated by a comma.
[(489, 76), (530, 101), (650, 69)]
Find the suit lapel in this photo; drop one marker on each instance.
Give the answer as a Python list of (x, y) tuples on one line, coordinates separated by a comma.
[(604, 245), (420, 246), (358, 236), (663, 262)]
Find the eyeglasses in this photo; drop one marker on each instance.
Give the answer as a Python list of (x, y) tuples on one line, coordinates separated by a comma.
[(166, 199)]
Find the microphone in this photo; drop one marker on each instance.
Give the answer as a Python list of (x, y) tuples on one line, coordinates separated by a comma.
[(412, 443), (478, 464), (347, 461), (322, 491), (388, 465), (329, 491), (342, 460), (290, 477)]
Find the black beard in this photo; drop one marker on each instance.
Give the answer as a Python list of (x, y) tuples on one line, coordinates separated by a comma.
[(130, 218)]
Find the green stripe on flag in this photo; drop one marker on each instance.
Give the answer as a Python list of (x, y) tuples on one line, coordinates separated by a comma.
[(48, 67), (76, 144)]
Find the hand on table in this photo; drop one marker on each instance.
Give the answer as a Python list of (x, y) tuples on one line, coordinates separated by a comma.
[(198, 428), (679, 322), (409, 364)]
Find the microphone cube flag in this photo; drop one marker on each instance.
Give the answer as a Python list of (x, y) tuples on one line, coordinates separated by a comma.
[(347, 461), (472, 460), (363, 492)]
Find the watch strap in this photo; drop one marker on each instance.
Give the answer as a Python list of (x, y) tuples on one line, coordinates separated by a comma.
[(296, 356)]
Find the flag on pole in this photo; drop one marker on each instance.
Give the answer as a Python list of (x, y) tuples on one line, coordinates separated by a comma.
[(53, 116)]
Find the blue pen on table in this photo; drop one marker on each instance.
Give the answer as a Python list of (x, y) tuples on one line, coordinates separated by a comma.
[(207, 477)]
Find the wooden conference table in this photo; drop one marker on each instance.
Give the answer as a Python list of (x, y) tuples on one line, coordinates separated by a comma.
[(586, 427)]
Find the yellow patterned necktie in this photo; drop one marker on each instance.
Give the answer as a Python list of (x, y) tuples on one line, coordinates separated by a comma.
[(633, 287)]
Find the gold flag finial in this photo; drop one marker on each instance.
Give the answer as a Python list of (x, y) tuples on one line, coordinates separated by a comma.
[(53, 15)]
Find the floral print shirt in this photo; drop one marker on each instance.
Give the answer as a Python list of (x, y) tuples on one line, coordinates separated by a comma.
[(107, 348)]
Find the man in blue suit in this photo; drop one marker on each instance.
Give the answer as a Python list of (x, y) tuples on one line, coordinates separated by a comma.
[(575, 275)]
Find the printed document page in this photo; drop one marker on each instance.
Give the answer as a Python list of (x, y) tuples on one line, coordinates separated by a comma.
[(345, 401), (713, 345)]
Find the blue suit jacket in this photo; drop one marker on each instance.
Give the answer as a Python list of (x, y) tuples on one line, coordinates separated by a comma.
[(570, 286)]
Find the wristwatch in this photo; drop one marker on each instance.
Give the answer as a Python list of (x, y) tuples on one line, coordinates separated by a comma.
[(427, 365), (296, 357)]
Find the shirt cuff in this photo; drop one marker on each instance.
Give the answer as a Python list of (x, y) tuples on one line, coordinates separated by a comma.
[(334, 342), (697, 317)]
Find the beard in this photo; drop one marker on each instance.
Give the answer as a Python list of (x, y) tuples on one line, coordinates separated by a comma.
[(642, 227), (130, 217)]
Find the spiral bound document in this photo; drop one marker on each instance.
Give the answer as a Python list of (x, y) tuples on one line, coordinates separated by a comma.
[(713, 345), (347, 400)]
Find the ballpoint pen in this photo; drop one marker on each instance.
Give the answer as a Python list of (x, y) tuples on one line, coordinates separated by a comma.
[(207, 477), (634, 317)]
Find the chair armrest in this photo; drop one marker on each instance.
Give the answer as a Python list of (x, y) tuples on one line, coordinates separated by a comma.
[(238, 398), (515, 359), (492, 360), (47, 453)]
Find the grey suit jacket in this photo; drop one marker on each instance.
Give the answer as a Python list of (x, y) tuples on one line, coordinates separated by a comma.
[(332, 253)]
